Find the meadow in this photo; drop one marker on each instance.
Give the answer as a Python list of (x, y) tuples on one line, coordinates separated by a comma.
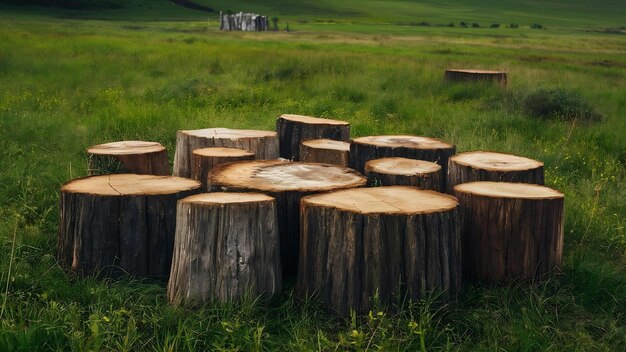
[(71, 79)]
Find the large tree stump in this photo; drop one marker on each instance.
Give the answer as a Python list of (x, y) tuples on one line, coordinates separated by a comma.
[(226, 247), (205, 159), (510, 230), (491, 166), (287, 182), (295, 129), (124, 223), (404, 172), (135, 157), (456, 75), (264, 144), (325, 151), (393, 241)]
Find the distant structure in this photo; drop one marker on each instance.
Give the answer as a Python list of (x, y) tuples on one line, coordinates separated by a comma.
[(249, 22)]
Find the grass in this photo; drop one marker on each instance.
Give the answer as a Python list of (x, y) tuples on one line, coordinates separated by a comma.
[(67, 84)]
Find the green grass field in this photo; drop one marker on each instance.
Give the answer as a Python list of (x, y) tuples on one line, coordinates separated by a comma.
[(70, 79)]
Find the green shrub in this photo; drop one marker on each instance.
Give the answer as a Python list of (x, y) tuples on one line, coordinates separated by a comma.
[(513, 25), (559, 103), (475, 25), (495, 25), (463, 24), (536, 26)]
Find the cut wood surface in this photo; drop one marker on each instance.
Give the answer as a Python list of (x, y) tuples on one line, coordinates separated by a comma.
[(205, 159), (287, 182), (493, 166), (397, 171), (510, 230), (226, 247), (294, 129), (390, 241), (326, 151), (264, 144), (461, 75), (123, 223), (137, 157)]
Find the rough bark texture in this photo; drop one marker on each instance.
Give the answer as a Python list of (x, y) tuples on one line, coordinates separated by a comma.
[(491, 166), (111, 225), (288, 182), (453, 75), (404, 172), (205, 159), (350, 253), (294, 129), (136, 157), (226, 247), (326, 151), (510, 230), (264, 144)]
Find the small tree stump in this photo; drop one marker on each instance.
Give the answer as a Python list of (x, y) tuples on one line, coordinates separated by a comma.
[(295, 129), (124, 223), (325, 151), (404, 172), (455, 75), (391, 241), (205, 159), (264, 144), (510, 230), (491, 166), (226, 247), (135, 157), (287, 182)]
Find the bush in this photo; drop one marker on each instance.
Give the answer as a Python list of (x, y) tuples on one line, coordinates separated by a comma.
[(513, 25), (475, 25), (451, 24), (495, 25), (536, 26), (463, 24), (559, 103)]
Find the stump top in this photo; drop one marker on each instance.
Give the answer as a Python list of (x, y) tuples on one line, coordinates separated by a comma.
[(312, 120), (508, 190), (404, 141), (284, 176), (125, 148), (222, 152), (227, 133), (385, 200), (218, 198), (493, 161), (401, 166), (486, 72), (327, 144), (130, 184)]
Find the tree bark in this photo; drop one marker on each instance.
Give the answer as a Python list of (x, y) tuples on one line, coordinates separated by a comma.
[(454, 75), (135, 157), (226, 247), (326, 151), (510, 230), (205, 159), (388, 241), (120, 224), (294, 129), (264, 144), (404, 172)]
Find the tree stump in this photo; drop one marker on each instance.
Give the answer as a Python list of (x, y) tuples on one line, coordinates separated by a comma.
[(135, 157), (325, 151), (491, 166), (295, 129), (287, 182), (394, 241), (510, 230), (116, 224), (404, 172), (264, 144), (455, 75), (226, 247), (205, 159)]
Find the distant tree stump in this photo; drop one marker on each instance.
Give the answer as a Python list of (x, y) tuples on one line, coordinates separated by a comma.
[(454, 75), (326, 151), (264, 144), (226, 247), (510, 230), (116, 224), (135, 157), (287, 182), (205, 159), (491, 166), (404, 172), (394, 241), (295, 129)]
